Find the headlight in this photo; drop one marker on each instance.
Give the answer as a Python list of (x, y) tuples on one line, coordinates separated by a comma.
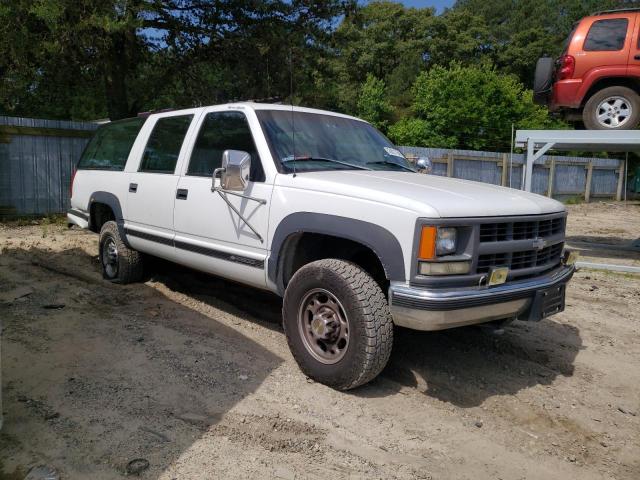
[(446, 241), (436, 241)]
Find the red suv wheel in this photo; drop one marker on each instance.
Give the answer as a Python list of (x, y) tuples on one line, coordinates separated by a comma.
[(612, 108)]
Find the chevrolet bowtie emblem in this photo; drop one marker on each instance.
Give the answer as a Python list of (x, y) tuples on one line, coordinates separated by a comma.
[(539, 243)]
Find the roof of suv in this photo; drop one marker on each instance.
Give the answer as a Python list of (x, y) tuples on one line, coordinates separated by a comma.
[(620, 10), (258, 106)]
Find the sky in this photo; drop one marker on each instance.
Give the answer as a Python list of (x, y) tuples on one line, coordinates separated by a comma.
[(439, 4)]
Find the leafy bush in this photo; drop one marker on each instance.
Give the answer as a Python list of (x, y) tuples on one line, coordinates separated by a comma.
[(468, 107)]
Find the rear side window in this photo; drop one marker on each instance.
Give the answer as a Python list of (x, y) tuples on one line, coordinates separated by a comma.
[(110, 146), (164, 144), (222, 131), (607, 35)]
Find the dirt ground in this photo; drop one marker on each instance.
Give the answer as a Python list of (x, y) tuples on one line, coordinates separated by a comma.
[(193, 374)]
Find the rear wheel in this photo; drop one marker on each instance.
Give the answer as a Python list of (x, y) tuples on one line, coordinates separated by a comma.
[(120, 264), (612, 108), (337, 323)]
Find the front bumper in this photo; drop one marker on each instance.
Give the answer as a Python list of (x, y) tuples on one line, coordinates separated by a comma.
[(439, 309)]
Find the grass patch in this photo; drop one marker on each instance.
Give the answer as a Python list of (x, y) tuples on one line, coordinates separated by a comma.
[(575, 200), (25, 221)]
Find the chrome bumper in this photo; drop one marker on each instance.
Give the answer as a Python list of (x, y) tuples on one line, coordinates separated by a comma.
[(439, 309)]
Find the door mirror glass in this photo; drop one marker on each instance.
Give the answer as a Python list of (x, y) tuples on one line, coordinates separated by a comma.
[(234, 174), (424, 165)]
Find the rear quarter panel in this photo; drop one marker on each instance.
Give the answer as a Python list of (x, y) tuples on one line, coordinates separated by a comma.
[(87, 182), (592, 66)]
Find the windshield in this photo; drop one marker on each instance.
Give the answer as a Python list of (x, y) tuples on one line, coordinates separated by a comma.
[(327, 142)]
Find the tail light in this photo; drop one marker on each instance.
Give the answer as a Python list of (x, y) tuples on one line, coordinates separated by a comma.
[(567, 67), (73, 176)]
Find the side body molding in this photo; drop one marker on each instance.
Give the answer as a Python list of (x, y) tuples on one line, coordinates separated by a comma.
[(382, 242), (113, 202)]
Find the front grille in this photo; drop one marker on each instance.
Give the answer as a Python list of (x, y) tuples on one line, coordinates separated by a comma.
[(501, 244), (530, 229), (520, 260)]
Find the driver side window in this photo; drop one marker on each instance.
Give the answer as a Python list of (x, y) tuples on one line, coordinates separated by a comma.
[(222, 131)]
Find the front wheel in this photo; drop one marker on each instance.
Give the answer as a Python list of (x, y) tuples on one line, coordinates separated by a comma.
[(337, 322), (612, 108)]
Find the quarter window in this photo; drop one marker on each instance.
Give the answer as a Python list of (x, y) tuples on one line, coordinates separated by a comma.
[(110, 146), (222, 131), (164, 144), (607, 35)]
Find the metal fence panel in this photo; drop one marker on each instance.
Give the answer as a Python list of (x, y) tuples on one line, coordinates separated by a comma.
[(37, 158), (569, 178), (602, 182), (480, 171), (540, 180)]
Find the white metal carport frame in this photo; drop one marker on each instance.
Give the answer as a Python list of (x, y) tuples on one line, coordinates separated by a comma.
[(538, 142)]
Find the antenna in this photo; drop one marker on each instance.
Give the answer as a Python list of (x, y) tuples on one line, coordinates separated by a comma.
[(293, 128)]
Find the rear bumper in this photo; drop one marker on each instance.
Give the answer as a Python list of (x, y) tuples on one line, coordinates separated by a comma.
[(439, 309), (78, 217), (566, 94)]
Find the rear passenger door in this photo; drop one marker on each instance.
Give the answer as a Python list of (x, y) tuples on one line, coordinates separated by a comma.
[(606, 45), (153, 183)]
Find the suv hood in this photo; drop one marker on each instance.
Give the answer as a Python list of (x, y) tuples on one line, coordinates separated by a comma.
[(428, 195)]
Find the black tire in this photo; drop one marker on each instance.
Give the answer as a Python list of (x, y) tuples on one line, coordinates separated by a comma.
[(591, 108), (370, 328), (126, 266), (543, 80)]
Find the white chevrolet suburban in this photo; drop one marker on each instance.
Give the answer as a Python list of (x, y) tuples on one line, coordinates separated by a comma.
[(323, 210)]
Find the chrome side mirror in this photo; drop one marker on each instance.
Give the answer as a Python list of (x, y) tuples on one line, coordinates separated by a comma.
[(234, 174), (424, 165)]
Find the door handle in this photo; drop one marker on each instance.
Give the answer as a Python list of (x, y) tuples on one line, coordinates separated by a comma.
[(133, 187), (636, 57), (182, 193)]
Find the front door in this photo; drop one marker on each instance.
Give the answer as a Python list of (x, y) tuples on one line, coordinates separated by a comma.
[(209, 234)]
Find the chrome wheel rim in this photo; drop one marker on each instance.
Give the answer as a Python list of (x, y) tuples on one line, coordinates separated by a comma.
[(110, 257), (323, 326), (614, 112)]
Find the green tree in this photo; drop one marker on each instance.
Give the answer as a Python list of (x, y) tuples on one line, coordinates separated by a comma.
[(372, 103), (468, 107), (459, 36), (384, 39), (87, 58)]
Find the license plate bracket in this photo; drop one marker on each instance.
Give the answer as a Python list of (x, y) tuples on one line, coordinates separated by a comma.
[(547, 302)]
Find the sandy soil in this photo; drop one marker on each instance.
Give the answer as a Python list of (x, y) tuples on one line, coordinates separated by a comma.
[(603, 231), (193, 374)]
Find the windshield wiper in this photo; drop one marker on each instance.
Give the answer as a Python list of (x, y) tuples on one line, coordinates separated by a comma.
[(323, 159), (387, 162)]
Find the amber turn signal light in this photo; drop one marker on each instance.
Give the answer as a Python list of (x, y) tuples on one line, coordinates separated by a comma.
[(427, 248)]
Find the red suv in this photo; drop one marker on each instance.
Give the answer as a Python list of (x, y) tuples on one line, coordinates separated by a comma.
[(596, 81)]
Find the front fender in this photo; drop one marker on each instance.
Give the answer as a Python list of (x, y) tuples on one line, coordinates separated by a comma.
[(382, 242)]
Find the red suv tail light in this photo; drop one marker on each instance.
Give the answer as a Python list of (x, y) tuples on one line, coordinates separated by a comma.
[(73, 176), (567, 67)]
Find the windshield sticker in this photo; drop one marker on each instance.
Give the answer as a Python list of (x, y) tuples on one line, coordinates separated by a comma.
[(394, 152)]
